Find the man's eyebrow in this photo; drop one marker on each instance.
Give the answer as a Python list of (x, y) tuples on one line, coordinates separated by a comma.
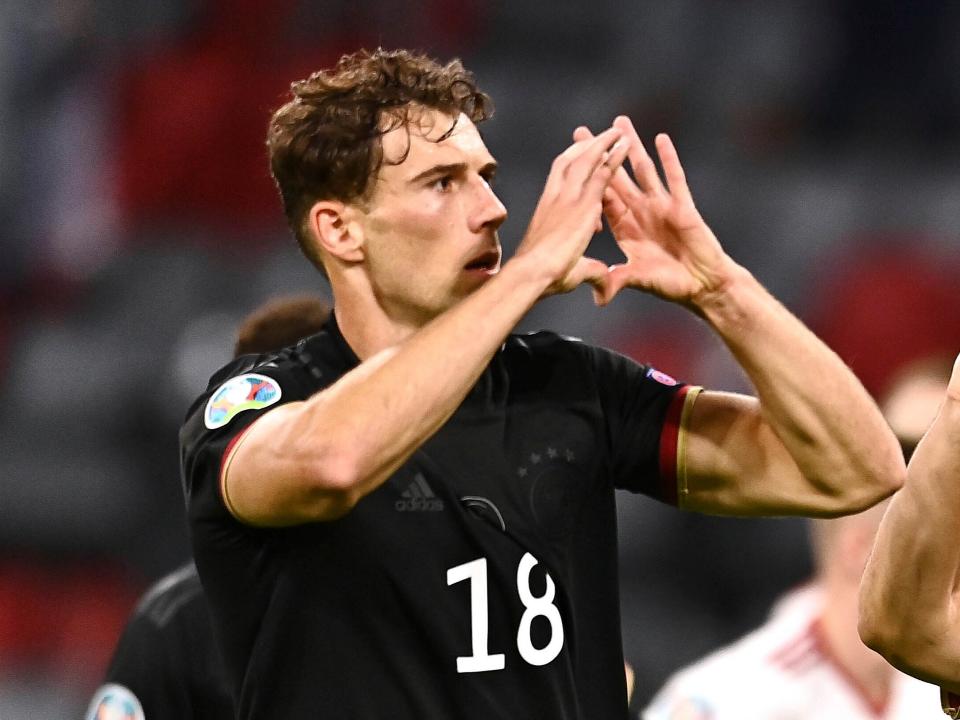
[(448, 169), (451, 169)]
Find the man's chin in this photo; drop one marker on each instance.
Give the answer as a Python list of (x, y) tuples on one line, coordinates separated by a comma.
[(467, 284)]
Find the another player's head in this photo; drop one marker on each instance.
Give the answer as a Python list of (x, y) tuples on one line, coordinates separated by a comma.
[(280, 322), (913, 398), (385, 180), (842, 545)]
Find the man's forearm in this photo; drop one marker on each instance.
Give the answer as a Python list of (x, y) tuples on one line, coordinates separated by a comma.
[(385, 411), (316, 459), (819, 410), (907, 598)]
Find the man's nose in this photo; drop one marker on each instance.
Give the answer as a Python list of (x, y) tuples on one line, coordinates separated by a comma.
[(488, 212)]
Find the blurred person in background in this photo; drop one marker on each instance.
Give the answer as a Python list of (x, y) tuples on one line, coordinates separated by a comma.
[(166, 664), (909, 594), (336, 493), (807, 661)]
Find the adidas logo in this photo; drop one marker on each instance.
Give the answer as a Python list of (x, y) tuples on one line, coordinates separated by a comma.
[(418, 497)]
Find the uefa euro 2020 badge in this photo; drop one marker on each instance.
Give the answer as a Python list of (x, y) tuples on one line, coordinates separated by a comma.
[(244, 392), (114, 702)]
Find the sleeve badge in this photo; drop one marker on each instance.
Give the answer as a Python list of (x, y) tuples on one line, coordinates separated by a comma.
[(244, 392), (661, 377), (114, 702)]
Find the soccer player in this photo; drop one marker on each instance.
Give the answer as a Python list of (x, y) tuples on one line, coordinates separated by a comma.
[(909, 594), (166, 664), (807, 661), (411, 515)]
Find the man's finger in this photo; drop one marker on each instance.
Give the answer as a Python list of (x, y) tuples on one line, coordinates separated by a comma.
[(672, 169), (643, 168), (605, 171), (594, 145), (582, 134), (561, 165), (598, 150), (626, 189), (615, 157), (613, 206)]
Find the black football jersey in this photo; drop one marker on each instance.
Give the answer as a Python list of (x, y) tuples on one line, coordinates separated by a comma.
[(167, 664), (479, 581)]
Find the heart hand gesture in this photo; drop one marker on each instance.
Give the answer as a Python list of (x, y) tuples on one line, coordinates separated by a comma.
[(670, 251)]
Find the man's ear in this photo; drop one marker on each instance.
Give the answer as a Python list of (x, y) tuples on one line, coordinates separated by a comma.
[(337, 233)]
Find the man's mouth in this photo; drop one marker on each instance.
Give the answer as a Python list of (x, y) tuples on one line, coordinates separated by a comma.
[(486, 261)]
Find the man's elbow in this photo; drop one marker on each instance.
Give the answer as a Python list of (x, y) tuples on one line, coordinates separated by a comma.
[(894, 478), (885, 475), (864, 489), (879, 633), (890, 638), (908, 647)]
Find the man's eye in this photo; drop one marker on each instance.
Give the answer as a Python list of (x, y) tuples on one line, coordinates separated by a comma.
[(489, 178), (442, 184)]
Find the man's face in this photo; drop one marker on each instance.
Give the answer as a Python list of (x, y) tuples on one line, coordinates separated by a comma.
[(430, 225)]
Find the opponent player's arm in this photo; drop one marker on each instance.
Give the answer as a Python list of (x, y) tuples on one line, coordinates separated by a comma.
[(909, 596), (314, 460), (814, 443)]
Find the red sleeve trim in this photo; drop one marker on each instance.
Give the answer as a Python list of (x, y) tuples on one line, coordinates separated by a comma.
[(225, 460), (669, 445)]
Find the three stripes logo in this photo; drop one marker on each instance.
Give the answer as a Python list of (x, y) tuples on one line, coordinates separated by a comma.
[(418, 497)]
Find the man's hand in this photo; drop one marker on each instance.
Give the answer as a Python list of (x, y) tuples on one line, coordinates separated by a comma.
[(670, 250), (568, 214), (812, 442)]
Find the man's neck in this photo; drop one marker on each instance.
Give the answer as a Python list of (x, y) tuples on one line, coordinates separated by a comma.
[(367, 327)]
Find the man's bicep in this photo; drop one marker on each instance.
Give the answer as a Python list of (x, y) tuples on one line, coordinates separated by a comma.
[(734, 463), (260, 481)]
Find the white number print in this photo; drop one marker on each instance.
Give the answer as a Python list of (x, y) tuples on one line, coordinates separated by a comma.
[(536, 607), (481, 660)]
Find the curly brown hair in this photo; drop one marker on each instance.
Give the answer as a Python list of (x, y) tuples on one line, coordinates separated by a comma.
[(325, 143)]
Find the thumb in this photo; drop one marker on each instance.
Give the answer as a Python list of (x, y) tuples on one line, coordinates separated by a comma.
[(618, 276), (587, 270), (591, 271)]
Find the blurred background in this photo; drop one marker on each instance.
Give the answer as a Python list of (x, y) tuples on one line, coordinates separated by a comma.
[(138, 225)]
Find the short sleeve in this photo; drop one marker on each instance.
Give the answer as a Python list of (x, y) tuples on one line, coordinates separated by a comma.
[(237, 397), (643, 412)]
